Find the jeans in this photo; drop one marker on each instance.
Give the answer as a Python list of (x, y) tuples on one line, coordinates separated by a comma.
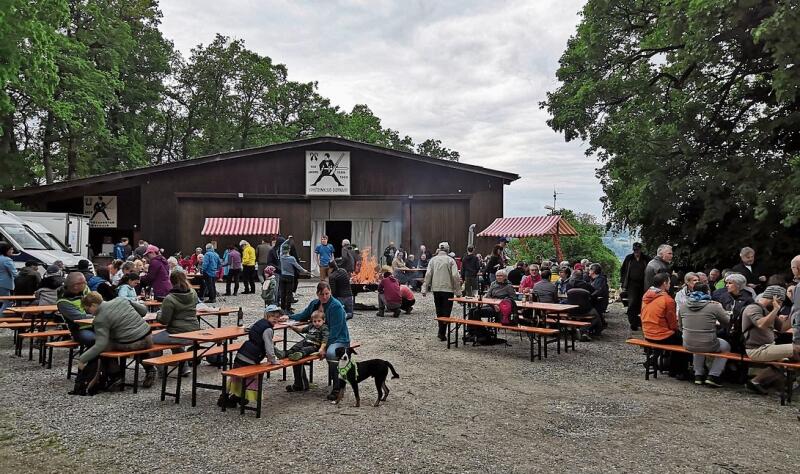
[(232, 277), (84, 337), (4, 304), (164, 338), (443, 308), (717, 363), (210, 288), (382, 304), (287, 282)]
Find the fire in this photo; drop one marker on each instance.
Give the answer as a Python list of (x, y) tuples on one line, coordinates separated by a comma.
[(366, 269)]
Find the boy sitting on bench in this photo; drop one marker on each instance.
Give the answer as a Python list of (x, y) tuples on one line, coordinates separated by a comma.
[(314, 341)]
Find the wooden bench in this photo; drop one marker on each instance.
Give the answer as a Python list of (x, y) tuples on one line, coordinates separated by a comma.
[(135, 356), (653, 351), (534, 333), (39, 336), (258, 370), (567, 328), (71, 345)]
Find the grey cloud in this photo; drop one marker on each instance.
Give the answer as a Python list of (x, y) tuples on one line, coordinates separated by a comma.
[(470, 73)]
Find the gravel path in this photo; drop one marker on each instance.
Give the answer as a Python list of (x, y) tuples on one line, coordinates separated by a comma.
[(469, 410)]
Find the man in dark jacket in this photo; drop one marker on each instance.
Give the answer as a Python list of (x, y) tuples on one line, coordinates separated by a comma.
[(515, 275), (633, 283), (28, 279), (659, 264), (123, 249), (470, 267), (339, 280), (348, 259), (262, 257), (752, 272), (600, 288), (388, 253)]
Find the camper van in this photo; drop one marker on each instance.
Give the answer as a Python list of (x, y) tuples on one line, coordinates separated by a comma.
[(28, 245)]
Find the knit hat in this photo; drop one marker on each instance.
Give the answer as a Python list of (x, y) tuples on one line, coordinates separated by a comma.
[(773, 291), (269, 271), (53, 270), (83, 265), (152, 249)]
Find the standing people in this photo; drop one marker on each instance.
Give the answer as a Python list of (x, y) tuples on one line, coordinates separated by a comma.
[(324, 254), (248, 267), (141, 249), (289, 270), (210, 265), (633, 268), (747, 267), (659, 264), (442, 278), (234, 270), (388, 253), (157, 273), (496, 262), (123, 249), (262, 257), (269, 288), (348, 258), (470, 267), (8, 273), (339, 279)]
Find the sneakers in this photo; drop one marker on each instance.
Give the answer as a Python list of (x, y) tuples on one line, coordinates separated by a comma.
[(295, 356), (756, 388), (712, 381), (699, 379), (149, 379)]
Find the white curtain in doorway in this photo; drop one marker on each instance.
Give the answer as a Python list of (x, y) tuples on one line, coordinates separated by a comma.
[(317, 231)]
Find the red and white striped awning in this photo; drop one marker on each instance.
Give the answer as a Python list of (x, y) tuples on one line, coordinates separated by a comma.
[(241, 226), (535, 226)]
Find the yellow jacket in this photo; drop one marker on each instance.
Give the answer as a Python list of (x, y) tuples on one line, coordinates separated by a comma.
[(249, 256)]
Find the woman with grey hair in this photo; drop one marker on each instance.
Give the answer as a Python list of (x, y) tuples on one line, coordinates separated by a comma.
[(689, 281), (734, 298)]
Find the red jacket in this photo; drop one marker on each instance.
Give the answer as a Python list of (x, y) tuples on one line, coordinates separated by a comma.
[(390, 289)]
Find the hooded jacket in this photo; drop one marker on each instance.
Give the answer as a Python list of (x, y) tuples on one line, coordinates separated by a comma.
[(699, 322), (659, 318), (158, 276), (179, 311)]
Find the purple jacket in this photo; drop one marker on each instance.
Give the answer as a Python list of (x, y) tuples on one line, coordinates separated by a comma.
[(158, 276), (235, 259)]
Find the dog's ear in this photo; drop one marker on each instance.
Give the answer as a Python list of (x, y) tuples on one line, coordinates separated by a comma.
[(351, 351)]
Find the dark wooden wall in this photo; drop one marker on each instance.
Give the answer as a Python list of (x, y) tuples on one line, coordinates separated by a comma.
[(170, 206)]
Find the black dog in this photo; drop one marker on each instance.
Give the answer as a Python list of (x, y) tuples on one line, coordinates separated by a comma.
[(355, 372)]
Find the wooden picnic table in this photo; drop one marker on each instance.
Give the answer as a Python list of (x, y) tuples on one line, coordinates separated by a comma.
[(219, 313), (17, 298), (534, 305), (216, 336)]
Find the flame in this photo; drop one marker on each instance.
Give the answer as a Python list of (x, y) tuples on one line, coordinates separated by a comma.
[(366, 269)]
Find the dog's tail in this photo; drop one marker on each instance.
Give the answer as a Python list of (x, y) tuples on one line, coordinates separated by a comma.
[(395, 375)]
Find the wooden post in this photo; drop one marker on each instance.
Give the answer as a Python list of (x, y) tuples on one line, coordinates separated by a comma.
[(557, 243)]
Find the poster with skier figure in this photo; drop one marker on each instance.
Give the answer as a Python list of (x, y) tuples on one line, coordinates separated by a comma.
[(328, 172), (103, 211)]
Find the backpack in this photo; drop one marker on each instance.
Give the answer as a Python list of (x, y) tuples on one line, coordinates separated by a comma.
[(507, 312)]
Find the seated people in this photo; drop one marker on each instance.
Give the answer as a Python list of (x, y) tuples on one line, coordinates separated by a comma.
[(582, 298), (27, 279), (47, 293), (315, 339), (734, 297), (70, 307), (699, 318), (118, 326), (689, 280), (599, 284), (759, 323), (127, 287), (563, 284), (499, 289), (515, 275), (257, 347), (545, 291), (533, 277), (660, 323), (178, 313), (389, 294), (101, 283), (408, 299)]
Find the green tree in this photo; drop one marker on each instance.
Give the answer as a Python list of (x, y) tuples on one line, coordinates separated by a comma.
[(587, 244), (692, 108)]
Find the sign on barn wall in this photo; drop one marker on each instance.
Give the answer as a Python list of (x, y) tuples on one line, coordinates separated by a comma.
[(328, 172), (103, 211)]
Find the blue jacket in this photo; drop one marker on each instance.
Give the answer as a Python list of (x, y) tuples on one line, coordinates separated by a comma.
[(211, 263), (335, 318), (7, 273)]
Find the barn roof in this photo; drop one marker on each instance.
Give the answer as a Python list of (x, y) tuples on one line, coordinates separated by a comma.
[(231, 155)]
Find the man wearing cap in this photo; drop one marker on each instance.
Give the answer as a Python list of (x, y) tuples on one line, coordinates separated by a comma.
[(157, 276), (632, 283), (759, 323), (442, 278)]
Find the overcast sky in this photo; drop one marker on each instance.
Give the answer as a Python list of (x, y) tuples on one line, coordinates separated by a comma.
[(470, 73)]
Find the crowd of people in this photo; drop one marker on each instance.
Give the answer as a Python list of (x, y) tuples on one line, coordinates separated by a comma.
[(739, 309)]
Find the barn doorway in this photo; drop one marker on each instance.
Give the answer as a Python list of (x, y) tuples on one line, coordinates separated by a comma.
[(336, 232)]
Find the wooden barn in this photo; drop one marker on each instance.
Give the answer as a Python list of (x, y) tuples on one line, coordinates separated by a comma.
[(345, 189)]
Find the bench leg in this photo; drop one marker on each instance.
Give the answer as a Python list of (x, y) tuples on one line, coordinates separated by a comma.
[(123, 365), (448, 335), (539, 345), (224, 391), (242, 396), (530, 336), (260, 394), (70, 360), (49, 357), (164, 383), (135, 375), (310, 372), (178, 383)]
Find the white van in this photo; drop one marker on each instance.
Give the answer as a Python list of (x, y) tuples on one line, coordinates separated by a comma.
[(28, 245)]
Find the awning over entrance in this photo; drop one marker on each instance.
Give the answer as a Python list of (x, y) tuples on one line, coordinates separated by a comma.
[(241, 226), (535, 226)]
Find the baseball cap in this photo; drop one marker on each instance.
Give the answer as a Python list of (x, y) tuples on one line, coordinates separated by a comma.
[(151, 249), (637, 245), (273, 308)]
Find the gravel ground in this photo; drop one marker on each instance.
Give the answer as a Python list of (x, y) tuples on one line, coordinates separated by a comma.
[(468, 409)]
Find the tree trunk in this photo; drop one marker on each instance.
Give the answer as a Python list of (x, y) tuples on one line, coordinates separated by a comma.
[(8, 142), (47, 141), (72, 155)]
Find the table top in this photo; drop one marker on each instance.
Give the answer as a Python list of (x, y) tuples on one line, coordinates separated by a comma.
[(18, 298), (212, 334), (548, 307), (215, 311), (51, 308)]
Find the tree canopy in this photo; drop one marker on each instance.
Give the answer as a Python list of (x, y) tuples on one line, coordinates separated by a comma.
[(587, 244), (692, 107), (93, 86)]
